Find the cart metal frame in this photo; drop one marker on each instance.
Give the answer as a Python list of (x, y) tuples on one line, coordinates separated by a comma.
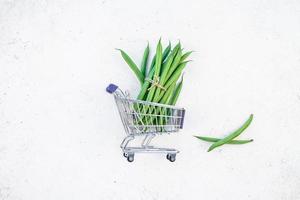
[(148, 119)]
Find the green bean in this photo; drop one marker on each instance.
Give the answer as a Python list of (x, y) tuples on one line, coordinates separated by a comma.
[(176, 92), (158, 59), (164, 56), (157, 67), (145, 86), (166, 52), (232, 135), (165, 70), (152, 63), (168, 93), (133, 66), (165, 100), (175, 63), (145, 61), (211, 139), (185, 55)]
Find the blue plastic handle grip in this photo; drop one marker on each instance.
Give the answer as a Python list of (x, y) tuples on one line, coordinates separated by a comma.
[(111, 88)]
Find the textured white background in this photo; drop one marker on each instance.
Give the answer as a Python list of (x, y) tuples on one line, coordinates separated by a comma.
[(60, 131)]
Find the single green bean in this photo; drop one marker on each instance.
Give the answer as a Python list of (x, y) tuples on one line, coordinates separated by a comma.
[(166, 52), (158, 59), (232, 135), (145, 61), (176, 92), (157, 67), (211, 139), (175, 63), (145, 86), (185, 55), (133, 66)]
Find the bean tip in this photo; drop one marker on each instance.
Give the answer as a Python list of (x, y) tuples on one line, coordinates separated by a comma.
[(188, 61), (210, 148), (182, 77)]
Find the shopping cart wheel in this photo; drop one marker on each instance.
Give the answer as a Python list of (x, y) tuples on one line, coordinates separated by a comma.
[(125, 155), (168, 156), (130, 157), (171, 157)]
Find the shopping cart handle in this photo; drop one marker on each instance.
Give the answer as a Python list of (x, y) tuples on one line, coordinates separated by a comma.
[(111, 88)]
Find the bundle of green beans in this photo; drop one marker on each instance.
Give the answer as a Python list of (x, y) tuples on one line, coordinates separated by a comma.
[(159, 81)]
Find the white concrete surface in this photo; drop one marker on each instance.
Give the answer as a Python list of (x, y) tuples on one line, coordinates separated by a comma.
[(60, 130)]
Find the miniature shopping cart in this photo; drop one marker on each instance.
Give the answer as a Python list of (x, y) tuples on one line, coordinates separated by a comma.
[(142, 118)]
